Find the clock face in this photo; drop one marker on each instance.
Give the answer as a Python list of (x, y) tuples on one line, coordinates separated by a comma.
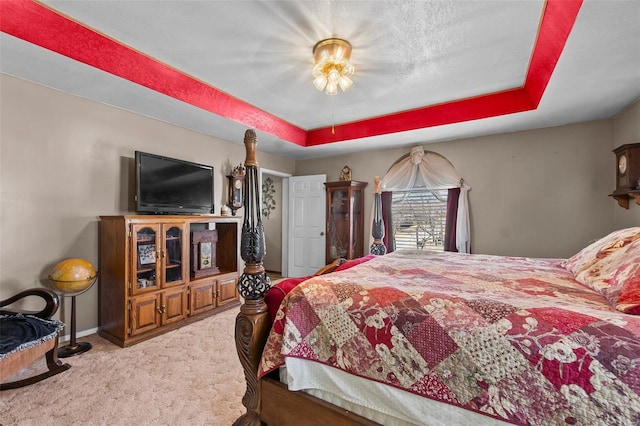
[(622, 164), (238, 184)]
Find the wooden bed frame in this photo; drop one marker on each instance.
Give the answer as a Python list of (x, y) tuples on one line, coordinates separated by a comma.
[(268, 401)]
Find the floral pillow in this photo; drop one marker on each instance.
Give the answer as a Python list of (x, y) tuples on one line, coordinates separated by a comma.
[(600, 249), (617, 277)]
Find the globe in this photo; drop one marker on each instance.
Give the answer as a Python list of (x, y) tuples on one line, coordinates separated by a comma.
[(72, 276)]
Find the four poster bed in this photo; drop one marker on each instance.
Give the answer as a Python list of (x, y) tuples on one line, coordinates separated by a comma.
[(427, 338)]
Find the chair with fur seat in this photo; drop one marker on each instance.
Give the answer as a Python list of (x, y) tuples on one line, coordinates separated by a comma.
[(25, 336)]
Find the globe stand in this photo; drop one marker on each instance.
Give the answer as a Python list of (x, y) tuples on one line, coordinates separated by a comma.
[(73, 348), (72, 277)]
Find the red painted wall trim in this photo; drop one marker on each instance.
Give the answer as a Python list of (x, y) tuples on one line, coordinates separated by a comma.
[(44, 27), (556, 25)]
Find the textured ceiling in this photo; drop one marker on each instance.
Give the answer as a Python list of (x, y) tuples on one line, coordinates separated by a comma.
[(425, 70)]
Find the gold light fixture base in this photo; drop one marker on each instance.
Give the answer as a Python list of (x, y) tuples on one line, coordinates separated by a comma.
[(332, 48)]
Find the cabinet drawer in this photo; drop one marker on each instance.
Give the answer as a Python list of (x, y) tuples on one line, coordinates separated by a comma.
[(202, 297), (227, 291), (144, 313), (174, 305)]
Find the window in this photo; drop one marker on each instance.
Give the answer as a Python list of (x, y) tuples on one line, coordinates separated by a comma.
[(419, 219)]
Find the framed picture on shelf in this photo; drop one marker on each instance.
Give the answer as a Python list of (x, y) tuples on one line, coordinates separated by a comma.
[(146, 254)]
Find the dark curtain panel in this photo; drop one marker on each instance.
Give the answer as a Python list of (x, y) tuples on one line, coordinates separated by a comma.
[(388, 225), (452, 215)]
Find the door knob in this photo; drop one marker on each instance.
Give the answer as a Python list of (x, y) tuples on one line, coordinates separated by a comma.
[(321, 234)]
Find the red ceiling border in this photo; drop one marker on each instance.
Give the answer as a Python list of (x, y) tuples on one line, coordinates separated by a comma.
[(37, 24), (557, 22)]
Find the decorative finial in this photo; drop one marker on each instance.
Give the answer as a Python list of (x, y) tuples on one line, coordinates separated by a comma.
[(250, 144)]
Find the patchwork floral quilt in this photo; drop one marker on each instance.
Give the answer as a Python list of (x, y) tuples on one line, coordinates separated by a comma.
[(513, 338)]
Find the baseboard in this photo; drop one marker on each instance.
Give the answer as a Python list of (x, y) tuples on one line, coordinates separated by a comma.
[(83, 333)]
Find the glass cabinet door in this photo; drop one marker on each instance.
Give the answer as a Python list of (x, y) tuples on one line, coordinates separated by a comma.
[(357, 243), (173, 265), (338, 223), (145, 255)]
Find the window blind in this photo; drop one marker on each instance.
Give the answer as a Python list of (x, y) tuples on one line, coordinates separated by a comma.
[(419, 218)]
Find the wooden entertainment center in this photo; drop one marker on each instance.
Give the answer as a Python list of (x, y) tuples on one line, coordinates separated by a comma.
[(160, 272)]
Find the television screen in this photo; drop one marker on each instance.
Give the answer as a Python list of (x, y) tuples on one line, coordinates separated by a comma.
[(171, 186)]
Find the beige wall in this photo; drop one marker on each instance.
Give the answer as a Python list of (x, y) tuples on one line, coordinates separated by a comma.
[(626, 129), (64, 162), (534, 193)]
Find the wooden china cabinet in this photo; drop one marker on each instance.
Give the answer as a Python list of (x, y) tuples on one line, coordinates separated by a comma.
[(154, 276), (345, 219)]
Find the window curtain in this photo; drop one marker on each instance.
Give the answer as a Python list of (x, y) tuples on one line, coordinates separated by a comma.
[(453, 195), (428, 170)]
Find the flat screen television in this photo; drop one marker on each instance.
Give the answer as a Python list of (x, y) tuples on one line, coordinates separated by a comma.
[(170, 186)]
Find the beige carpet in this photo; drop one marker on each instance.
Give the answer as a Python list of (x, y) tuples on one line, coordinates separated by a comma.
[(189, 376)]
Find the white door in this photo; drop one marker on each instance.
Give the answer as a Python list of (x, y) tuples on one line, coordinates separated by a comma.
[(307, 203)]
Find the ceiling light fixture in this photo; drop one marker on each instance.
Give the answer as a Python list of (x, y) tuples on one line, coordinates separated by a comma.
[(332, 67)]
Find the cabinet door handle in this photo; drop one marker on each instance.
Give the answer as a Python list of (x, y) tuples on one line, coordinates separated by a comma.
[(162, 309), (321, 234)]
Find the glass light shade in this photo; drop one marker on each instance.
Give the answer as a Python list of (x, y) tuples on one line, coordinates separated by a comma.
[(320, 82), (348, 70), (345, 82)]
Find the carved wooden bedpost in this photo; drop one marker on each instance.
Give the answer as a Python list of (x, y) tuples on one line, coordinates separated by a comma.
[(252, 323), (377, 230)]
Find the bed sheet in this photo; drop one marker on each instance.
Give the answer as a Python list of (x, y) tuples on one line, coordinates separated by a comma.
[(375, 401)]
